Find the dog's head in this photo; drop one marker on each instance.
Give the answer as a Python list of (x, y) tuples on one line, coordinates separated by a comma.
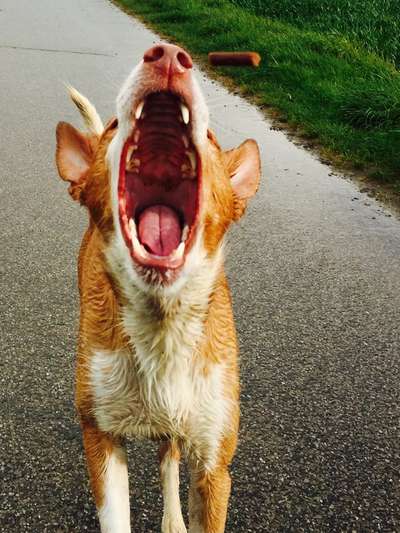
[(158, 187)]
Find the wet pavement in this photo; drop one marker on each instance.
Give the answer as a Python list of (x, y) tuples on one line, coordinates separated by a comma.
[(315, 273)]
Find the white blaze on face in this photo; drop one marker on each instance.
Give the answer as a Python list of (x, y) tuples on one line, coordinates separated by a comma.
[(138, 85), (130, 106)]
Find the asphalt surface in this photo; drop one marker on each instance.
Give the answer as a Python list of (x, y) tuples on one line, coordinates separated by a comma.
[(315, 274)]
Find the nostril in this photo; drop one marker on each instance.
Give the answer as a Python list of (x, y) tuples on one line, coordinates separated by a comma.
[(185, 60), (154, 54)]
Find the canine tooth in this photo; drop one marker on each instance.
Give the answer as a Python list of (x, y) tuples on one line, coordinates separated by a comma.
[(185, 233), (185, 113), (132, 228), (136, 136), (192, 158), (178, 253), (139, 110), (180, 250), (137, 247)]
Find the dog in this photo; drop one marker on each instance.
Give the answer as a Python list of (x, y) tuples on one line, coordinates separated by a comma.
[(157, 350)]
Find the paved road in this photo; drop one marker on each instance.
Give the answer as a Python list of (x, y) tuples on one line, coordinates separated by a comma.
[(316, 279)]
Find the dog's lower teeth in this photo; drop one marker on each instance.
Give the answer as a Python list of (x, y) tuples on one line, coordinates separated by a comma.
[(178, 253), (185, 233), (138, 248), (192, 159), (139, 110), (132, 228)]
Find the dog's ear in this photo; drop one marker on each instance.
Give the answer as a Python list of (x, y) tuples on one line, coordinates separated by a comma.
[(243, 165), (74, 155)]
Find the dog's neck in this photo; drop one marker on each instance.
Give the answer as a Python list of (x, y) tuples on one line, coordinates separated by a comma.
[(165, 325)]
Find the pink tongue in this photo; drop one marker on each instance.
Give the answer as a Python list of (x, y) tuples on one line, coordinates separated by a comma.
[(159, 230)]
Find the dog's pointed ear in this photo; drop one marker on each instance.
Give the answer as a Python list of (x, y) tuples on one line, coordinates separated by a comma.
[(243, 165), (74, 155)]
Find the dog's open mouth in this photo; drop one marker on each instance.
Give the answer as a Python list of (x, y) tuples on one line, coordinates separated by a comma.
[(159, 183)]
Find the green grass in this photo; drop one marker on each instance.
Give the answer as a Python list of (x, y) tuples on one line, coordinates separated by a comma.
[(330, 89), (373, 24)]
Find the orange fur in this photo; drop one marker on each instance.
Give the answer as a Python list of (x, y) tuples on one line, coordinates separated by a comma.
[(98, 446), (214, 487)]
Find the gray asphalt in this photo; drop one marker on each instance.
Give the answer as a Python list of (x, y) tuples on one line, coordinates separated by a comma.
[(315, 274)]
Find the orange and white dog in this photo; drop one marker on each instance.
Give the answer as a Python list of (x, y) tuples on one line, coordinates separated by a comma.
[(157, 353)]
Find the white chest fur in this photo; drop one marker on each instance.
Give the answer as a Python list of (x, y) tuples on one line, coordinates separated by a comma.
[(183, 403), (158, 385)]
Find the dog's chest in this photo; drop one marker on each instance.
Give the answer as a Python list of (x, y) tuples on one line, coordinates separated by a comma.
[(159, 385)]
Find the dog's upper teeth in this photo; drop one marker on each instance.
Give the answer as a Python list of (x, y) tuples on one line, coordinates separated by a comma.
[(129, 153), (185, 141), (133, 165), (189, 169), (192, 159), (139, 109), (136, 136), (185, 113)]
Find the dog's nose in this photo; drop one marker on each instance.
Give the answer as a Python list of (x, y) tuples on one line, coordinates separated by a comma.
[(169, 58)]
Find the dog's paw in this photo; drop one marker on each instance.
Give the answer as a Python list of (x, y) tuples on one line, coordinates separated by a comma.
[(173, 524)]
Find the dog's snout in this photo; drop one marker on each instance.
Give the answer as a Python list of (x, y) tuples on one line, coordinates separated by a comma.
[(169, 58)]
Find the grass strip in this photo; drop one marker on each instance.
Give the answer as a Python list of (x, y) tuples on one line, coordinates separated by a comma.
[(340, 96), (374, 24)]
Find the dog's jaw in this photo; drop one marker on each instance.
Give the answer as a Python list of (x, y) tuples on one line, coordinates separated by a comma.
[(140, 83)]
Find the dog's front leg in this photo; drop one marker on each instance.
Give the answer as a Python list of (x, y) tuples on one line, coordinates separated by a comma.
[(172, 521), (208, 500), (108, 472), (210, 490)]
